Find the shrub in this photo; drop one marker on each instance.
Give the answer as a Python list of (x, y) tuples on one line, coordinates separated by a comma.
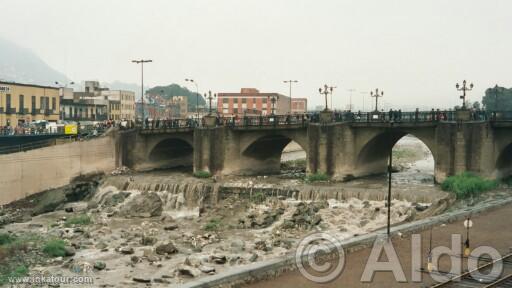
[(6, 238), (202, 174), (212, 225), (317, 177), (55, 248), (467, 185), (82, 219)]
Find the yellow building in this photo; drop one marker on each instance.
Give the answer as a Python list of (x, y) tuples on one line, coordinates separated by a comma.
[(24, 103)]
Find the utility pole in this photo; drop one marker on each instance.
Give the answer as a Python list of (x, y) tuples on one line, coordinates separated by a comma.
[(142, 61), (376, 95), (290, 95), (390, 170), (364, 95), (350, 101), (464, 88)]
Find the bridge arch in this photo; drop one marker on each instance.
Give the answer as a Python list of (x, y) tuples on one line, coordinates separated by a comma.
[(170, 152), (504, 162), (373, 156), (261, 154)]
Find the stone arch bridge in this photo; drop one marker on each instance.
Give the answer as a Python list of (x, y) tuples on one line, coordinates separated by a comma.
[(343, 150)]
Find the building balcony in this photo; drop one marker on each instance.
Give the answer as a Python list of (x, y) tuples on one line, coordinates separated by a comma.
[(10, 110)]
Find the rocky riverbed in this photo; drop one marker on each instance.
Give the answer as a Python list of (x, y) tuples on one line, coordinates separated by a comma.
[(161, 227)]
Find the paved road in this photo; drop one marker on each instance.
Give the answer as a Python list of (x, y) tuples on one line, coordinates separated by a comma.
[(493, 228)]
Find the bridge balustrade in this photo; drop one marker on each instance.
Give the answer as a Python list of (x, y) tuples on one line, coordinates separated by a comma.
[(302, 120)]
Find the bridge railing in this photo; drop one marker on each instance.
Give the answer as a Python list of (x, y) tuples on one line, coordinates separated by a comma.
[(397, 116), (302, 120)]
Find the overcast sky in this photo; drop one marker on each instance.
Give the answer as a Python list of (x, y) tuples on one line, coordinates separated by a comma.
[(413, 50)]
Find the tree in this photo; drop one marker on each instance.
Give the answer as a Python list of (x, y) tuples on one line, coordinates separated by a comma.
[(497, 99)]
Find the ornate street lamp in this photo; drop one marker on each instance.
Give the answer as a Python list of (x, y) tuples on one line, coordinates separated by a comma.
[(464, 88), (210, 97), (326, 92), (376, 95)]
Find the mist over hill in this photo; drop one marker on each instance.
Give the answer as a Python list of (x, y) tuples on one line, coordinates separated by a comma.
[(21, 65)]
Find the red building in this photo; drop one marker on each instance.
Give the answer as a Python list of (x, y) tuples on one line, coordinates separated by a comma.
[(299, 105), (251, 102)]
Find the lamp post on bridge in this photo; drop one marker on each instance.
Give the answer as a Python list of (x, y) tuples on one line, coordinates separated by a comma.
[(142, 61), (464, 88), (210, 97), (273, 100), (290, 95), (376, 95), (326, 91)]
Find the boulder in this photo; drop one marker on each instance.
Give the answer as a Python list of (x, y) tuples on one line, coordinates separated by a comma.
[(143, 205), (99, 265), (166, 249)]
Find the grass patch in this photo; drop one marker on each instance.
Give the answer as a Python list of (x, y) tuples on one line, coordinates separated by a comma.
[(82, 219), (258, 197), (212, 225), (202, 174), (317, 177), (6, 238), (14, 261), (55, 248), (6, 272), (467, 185)]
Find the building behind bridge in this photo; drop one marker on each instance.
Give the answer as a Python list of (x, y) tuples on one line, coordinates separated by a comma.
[(97, 103), (24, 103), (251, 102)]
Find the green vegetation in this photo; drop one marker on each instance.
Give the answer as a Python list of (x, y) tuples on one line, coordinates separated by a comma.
[(6, 273), (6, 238), (212, 225), (497, 99), (467, 185), (317, 177), (168, 91), (404, 153), (202, 174), (82, 219), (55, 248), (258, 197), (14, 261)]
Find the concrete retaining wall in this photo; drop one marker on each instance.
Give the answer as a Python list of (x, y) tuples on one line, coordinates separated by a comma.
[(26, 173)]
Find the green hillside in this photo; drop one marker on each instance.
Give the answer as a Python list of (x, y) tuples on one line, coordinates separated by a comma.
[(177, 90)]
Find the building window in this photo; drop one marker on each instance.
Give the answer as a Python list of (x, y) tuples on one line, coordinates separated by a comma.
[(264, 100), (33, 104), (244, 100), (54, 103), (235, 110), (21, 105), (8, 102), (225, 100)]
